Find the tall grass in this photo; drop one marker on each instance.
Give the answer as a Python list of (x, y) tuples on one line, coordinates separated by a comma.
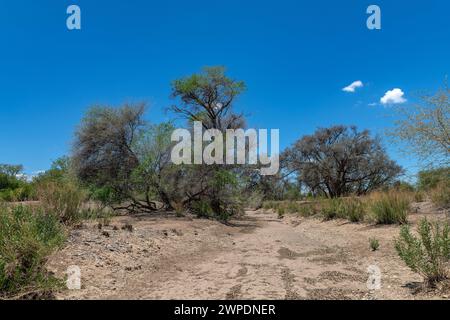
[(351, 208), (63, 199), (440, 196), (332, 208), (354, 209), (27, 238), (390, 207)]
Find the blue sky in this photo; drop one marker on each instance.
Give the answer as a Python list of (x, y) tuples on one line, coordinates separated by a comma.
[(295, 56)]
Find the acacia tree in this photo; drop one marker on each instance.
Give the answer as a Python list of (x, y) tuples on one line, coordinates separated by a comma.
[(426, 128), (209, 97), (341, 160), (117, 151)]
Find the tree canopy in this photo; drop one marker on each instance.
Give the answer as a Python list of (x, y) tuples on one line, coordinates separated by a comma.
[(341, 160)]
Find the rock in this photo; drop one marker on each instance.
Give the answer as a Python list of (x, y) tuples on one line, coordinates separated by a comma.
[(127, 227)]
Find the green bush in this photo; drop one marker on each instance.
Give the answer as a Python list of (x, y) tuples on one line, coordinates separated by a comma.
[(374, 244), (27, 237), (202, 209), (391, 208), (428, 253), (7, 195)]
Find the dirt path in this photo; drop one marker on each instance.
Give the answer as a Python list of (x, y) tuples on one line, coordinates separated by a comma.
[(260, 257)]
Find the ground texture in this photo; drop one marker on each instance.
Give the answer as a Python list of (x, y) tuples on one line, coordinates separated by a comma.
[(256, 257)]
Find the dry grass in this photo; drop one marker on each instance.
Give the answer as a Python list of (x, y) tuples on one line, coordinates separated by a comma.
[(390, 207)]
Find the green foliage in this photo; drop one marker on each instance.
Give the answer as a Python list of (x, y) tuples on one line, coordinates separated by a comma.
[(104, 195), (223, 195), (430, 179), (374, 244), (211, 76), (428, 253), (59, 171), (202, 209), (27, 237), (391, 208), (12, 186)]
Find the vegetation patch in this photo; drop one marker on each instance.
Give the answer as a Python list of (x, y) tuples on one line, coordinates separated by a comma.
[(428, 252), (27, 238), (390, 208)]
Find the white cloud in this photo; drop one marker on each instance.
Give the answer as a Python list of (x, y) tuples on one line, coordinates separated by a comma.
[(352, 88), (394, 96)]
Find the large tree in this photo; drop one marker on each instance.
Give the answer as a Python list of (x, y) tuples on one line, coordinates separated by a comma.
[(341, 160), (209, 97), (117, 151)]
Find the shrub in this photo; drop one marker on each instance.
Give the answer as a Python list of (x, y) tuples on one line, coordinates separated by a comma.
[(179, 209), (308, 210), (281, 211), (440, 195), (7, 195), (391, 208), (292, 207), (353, 209), (374, 244), (428, 253), (267, 205), (202, 209), (27, 237), (332, 208), (254, 200), (419, 196), (63, 199)]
